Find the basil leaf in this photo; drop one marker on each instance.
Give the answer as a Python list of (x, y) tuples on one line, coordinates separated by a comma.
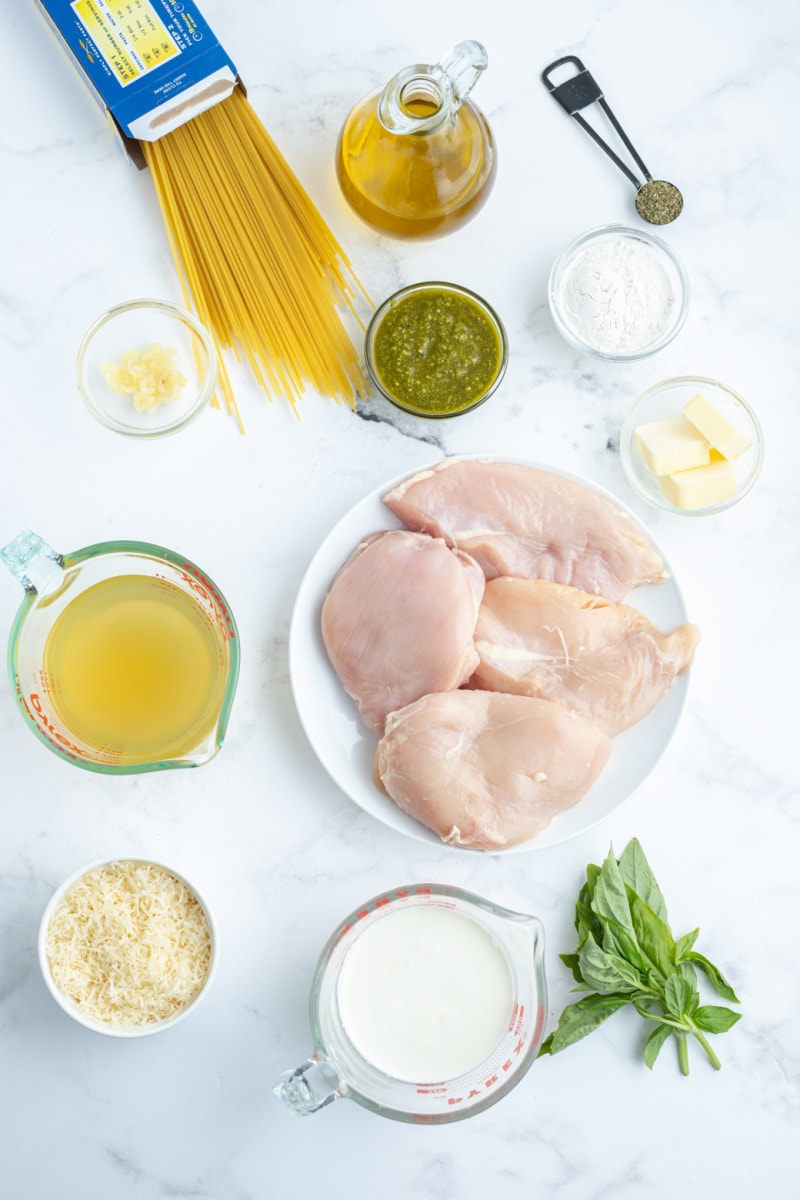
[(585, 920), (606, 972), (680, 997), (617, 941), (626, 954), (592, 872), (653, 936), (713, 1019), (685, 943), (715, 976), (579, 1020), (610, 899), (635, 872), (572, 961), (654, 1043)]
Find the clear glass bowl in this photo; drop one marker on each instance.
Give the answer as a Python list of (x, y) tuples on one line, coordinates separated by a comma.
[(70, 1006), (420, 350), (602, 346), (667, 399), (135, 326)]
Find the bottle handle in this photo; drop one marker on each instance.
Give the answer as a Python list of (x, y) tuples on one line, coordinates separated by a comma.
[(310, 1086), (463, 66), (34, 563)]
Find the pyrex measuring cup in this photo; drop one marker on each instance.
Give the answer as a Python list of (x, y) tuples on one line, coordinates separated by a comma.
[(124, 656), (427, 1005)]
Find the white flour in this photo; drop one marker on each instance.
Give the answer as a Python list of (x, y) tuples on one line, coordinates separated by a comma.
[(616, 296)]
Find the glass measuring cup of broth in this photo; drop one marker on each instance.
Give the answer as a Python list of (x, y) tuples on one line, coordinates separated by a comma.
[(428, 1004), (124, 655)]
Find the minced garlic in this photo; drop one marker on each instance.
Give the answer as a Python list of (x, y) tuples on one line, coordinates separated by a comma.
[(130, 944), (147, 376)]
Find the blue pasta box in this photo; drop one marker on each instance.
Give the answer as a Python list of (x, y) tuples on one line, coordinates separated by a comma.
[(151, 64)]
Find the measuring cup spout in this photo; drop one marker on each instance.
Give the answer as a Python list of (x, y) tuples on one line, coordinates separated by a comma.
[(531, 932), (37, 566), (309, 1087)]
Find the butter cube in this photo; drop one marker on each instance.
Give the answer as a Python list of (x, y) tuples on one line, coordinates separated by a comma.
[(673, 444), (718, 430), (701, 486)]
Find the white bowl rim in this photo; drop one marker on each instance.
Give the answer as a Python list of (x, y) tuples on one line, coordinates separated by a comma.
[(68, 1005)]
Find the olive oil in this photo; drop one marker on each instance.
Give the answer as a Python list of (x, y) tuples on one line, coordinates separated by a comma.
[(412, 184), (135, 667)]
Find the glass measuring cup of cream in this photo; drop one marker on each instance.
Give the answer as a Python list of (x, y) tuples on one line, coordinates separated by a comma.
[(124, 655), (428, 1004)]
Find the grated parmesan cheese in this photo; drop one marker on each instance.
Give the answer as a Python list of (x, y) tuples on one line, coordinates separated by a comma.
[(130, 944)]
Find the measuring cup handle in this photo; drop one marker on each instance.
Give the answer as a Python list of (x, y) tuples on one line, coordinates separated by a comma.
[(35, 564), (310, 1086)]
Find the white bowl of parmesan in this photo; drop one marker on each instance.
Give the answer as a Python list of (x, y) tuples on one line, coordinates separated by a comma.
[(127, 947)]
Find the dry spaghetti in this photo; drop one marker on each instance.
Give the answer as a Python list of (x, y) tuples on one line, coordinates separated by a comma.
[(254, 257)]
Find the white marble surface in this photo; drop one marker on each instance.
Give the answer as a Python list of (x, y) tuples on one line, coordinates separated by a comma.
[(708, 93)]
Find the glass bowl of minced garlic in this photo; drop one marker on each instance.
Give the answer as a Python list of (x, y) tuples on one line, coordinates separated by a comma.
[(146, 368), (692, 446), (127, 947)]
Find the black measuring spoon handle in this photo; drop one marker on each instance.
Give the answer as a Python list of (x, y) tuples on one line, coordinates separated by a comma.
[(578, 92)]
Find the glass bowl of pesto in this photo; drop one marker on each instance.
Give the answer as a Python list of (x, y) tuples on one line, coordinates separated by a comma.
[(146, 368), (436, 350)]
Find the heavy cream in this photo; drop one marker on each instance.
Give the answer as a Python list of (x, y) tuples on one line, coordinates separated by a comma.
[(425, 994)]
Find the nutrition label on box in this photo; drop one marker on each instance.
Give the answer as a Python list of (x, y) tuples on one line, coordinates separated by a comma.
[(130, 35), (153, 64)]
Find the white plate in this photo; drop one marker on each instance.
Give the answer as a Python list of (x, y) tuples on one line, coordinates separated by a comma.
[(346, 748)]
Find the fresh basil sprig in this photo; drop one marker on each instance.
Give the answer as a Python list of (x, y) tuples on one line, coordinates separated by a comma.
[(627, 954)]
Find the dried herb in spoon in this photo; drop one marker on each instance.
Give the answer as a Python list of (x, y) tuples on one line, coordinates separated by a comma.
[(627, 954)]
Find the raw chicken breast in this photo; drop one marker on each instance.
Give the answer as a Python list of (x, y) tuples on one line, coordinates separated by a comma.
[(399, 619), (487, 770), (605, 661), (519, 520)]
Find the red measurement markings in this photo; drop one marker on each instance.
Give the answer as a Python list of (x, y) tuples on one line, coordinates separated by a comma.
[(51, 731), (205, 589)]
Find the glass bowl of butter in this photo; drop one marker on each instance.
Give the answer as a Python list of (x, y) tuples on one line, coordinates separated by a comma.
[(146, 368), (692, 446)]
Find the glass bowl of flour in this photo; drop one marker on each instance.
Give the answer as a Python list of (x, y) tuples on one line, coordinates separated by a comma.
[(618, 293)]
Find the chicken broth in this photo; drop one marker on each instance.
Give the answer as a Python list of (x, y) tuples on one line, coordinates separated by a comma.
[(135, 667), (425, 994)]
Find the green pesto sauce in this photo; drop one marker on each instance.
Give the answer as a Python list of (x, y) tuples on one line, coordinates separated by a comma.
[(436, 352)]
